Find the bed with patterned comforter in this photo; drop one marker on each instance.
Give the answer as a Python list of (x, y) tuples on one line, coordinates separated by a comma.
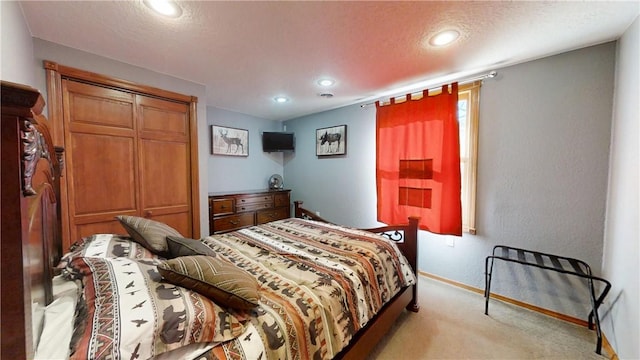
[(318, 284)]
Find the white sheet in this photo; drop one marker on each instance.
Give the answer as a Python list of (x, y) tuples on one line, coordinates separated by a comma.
[(58, 321)]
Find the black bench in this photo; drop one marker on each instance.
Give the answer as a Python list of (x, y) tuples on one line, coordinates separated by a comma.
[(556, 263)]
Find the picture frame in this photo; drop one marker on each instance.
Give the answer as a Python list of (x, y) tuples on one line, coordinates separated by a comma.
[(331, 141), (229, 141)]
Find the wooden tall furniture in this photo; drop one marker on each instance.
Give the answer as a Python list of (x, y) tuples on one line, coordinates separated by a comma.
[(231, 211), (30, 227), (132, 150)]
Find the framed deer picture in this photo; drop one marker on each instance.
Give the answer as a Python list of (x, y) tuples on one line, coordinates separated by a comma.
[(229, 141), (331, 141)]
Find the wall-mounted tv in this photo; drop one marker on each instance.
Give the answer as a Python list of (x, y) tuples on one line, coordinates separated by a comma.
[(278, 141)]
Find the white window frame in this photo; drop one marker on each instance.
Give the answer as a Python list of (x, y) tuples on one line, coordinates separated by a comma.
[(469, 154)]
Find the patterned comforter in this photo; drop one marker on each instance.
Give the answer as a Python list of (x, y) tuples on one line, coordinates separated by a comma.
[(318, 284)]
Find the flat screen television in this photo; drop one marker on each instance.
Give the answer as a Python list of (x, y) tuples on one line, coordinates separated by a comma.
[(278, 141)]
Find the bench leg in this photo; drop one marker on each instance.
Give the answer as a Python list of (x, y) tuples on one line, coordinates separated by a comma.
[(487, 283), (594, 315)]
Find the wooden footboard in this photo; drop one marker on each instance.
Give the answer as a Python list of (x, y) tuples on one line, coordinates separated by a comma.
[(406, 237)]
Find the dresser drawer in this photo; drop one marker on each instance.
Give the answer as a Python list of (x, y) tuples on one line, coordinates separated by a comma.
[(253, 207), (266, 216), (232, 222), (281, 200), (249, 200), (222, 206)]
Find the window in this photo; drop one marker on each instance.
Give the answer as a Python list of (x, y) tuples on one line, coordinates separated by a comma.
[(468, 114)]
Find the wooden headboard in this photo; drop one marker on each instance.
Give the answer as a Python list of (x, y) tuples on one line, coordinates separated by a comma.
[(30, 241)]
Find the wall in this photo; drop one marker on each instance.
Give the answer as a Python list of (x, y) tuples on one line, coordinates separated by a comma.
[(16, 46), (543, 162), (233, 173), (622, 235), (341, 188), (45, 50)]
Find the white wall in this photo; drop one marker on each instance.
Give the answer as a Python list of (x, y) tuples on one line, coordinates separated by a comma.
[(239, 173), (542, 178), (45, 50), (16, 46), (621, 256)]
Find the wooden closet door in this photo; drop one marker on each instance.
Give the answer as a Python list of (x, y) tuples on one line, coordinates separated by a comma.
[(101, 162), (130, 155), (165, 162)]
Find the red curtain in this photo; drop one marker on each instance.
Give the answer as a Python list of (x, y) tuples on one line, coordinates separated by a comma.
[(418, 162)]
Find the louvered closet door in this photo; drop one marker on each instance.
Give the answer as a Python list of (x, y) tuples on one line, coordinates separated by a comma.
[(129, 155), (164, 158), (101, 161)]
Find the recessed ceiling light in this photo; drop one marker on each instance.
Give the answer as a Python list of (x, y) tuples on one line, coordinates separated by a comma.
[(281, 99), (164, 7), (444, 38), (326, 82)]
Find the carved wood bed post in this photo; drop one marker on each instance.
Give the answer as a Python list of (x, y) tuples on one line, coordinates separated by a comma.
[(30, 225)]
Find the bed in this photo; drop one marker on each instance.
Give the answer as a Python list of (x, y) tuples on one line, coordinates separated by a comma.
[(297, 288)]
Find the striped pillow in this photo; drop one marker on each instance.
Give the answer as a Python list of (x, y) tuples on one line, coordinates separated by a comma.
[(215, 278), (179, 246), (149, 233)]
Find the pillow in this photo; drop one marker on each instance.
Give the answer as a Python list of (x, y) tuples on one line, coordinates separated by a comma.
[(215, 278), (179, 246), (149, 233), (131, 310), (105, 246)]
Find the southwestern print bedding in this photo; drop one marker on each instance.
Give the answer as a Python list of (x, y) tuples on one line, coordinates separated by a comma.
[(318, 285)]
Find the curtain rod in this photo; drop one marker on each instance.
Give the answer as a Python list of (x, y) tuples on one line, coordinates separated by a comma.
[(489, 75)]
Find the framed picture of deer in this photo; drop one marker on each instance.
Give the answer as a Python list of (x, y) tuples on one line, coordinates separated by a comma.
[(331, 141), (229, 141)]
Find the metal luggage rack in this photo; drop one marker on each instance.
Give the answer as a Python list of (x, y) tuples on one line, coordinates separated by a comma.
[(552, 262)]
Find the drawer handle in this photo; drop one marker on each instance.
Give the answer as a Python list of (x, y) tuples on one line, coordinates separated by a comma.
[(222, 207), (242, 208), (233, 222), (243, 200)]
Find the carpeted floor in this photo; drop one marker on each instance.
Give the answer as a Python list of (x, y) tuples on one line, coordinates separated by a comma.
[(451, 325)]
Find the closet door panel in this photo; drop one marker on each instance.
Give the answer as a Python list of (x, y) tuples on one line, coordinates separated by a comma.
[(106, 227), (178, 221), (101, 161), (165, 174), (165, 162), (165, 183), (163, 120), (89, 104), (106, 188)]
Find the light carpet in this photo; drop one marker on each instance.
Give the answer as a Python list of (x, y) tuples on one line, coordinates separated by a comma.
[(451, 324)]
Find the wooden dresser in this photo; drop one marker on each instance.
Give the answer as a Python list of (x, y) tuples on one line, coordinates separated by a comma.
[(231, 211)]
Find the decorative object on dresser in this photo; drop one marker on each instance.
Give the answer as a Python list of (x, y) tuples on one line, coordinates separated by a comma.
[(229, 141), (231, 211), (331, 141), (276, 182)]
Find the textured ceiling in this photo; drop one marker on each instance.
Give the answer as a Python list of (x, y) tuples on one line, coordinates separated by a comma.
[(246, 53)]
